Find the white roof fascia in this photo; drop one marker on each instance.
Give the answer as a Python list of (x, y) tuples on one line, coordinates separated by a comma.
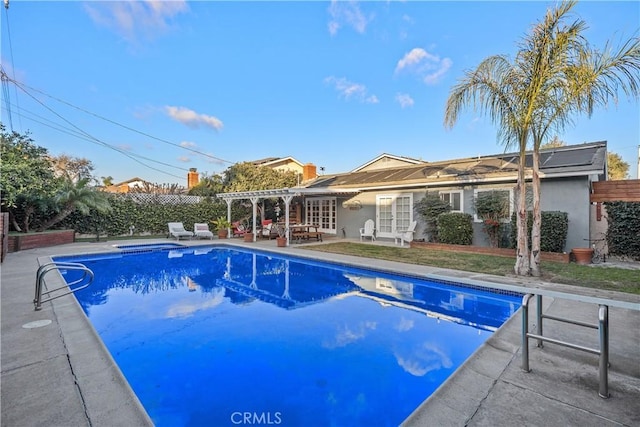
[(383, 155), (280, 160)]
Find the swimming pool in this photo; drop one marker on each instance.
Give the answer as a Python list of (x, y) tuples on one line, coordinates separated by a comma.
[(218, 336)]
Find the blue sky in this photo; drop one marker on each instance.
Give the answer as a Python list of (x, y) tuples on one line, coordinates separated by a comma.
[(151, 89)]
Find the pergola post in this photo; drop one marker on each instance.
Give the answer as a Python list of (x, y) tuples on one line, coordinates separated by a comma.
[(287, 201), (229, 201), (254, 203)]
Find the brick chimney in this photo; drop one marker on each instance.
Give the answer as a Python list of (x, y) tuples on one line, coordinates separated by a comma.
[(309, 172), (192, 178)]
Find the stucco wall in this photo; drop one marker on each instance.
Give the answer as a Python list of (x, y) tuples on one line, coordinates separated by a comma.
[(569, 195)]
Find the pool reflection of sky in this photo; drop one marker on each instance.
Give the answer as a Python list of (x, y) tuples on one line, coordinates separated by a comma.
[(204, 336)]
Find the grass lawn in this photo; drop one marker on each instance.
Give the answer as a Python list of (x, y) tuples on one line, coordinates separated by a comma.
[(611, 278)]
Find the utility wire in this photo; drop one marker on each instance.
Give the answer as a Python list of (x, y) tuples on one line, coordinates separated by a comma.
[(13, 71), (55, 126), (91, 137), (23, 86)]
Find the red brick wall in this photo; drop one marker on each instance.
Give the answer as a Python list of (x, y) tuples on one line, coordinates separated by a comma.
[(39, 240), (4, 235)]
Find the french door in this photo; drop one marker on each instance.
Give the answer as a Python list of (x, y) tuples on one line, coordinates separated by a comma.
[(394, 213), (322, 212)]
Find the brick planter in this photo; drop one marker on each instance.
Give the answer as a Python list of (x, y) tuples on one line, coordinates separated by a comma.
[(504, 252), (23, 241)]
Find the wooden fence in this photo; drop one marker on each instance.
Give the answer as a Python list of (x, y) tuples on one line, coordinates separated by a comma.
[(616, 191)]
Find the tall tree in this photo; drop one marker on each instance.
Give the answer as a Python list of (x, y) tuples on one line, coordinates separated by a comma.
[(75, 168), (616, 167), (498, 88), (555, 74), (571, 78), (26, 177)]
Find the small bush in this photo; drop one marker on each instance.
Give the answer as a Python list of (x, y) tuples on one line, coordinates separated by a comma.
[(430, 206), (455, 228), (553, 230)]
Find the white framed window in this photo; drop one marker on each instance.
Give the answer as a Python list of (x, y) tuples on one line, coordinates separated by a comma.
[(506, 193), (454, 198)]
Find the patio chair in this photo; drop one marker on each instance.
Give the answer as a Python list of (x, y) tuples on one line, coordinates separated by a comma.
[(407, 235), (238, 229), (368, 230), (268, 231), (201, 230), (176, 229)]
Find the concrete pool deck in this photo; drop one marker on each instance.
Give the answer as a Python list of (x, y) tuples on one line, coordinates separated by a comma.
[(59, 373)]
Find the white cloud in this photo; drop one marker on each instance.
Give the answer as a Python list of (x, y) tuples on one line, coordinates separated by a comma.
[(346, 13), (188, 144), (404, 100), (133, 20), (192, 119), (424, 359), (350, 90), (429, 67), (184, 159), (346, 335)]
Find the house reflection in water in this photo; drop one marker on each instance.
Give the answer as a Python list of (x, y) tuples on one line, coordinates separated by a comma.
[(291, 284)]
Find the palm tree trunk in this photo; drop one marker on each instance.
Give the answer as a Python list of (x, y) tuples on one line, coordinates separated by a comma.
[(522, 267), (537, 218), (56, 219)]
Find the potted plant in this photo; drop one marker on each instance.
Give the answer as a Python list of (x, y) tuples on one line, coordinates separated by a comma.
[(582, 255), (221, 225), (281, 240), (248, 235)]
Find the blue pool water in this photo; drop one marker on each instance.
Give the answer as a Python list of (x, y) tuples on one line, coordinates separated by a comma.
[(212, 336)]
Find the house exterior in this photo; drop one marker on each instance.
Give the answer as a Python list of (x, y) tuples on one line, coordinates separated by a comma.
[(126, 186), (286, 164), (341, 203)]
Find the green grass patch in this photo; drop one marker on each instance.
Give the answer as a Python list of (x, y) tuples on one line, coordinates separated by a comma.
[(609, 278)]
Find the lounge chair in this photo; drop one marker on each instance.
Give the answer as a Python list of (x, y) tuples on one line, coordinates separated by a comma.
[(201, 230), (407, 235), (368, 230), (176, 229)]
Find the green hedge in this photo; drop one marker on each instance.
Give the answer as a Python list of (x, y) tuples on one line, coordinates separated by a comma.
[(623, 235), (553, 230), (455, 228), (147, 217)]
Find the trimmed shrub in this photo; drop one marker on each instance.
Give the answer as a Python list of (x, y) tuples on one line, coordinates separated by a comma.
[(455, 228), (623, 235), (553, 230), (430, 207)]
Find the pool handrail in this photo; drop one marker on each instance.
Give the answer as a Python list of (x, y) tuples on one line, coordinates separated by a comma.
[(55, 266)]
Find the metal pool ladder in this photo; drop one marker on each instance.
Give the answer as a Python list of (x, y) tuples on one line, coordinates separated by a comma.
[(87, 279)]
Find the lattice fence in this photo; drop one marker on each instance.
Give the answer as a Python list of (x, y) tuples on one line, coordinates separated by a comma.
[(165, 199)]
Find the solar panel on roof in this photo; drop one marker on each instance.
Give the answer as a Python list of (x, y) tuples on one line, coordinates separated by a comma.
[(569, 158)]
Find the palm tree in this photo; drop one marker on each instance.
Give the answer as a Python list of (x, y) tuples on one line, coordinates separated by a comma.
[(497, 87), (573, 78), (76, 196), (555, 74)]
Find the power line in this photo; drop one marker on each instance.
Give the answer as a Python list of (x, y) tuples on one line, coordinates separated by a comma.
[(23, 86), (61, 129), (6, 90), (92, 138)]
